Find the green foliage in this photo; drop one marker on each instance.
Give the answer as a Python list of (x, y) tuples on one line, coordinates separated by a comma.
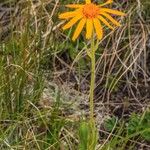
[(138, 125), (110, 123), (55, 125), (29, 50), (87, 136), (83, 135)]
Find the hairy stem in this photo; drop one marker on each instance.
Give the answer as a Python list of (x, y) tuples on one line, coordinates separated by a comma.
[(92, 85)]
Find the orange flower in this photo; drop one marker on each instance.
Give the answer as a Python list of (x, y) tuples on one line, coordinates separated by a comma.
[(91, 16)]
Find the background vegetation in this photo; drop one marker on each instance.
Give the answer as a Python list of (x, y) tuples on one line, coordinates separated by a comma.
[(44, 79)]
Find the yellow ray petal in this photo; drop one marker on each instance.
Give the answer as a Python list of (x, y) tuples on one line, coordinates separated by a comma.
[(105, 22), (79, 29), (111, 11), (88, 1), (72, 22), (108, 2), (74, 6), (89, 28), (67, 15), (111, 19), (98, 28)]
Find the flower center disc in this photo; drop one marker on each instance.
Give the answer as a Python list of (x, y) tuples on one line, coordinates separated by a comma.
[(90, 11)]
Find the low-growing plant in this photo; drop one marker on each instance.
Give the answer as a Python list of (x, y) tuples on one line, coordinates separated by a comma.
[(91, 15), (137, 126)]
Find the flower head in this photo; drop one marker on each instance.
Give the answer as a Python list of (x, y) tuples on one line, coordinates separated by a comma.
[(91, 16)]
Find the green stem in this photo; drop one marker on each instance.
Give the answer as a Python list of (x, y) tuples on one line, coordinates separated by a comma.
[(93, 132), (92, 85)]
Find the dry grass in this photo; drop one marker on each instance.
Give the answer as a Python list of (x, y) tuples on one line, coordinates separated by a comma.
[(122, 74)]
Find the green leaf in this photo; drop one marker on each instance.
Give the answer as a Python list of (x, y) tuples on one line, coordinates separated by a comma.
[(110, 123), (83, 135)]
